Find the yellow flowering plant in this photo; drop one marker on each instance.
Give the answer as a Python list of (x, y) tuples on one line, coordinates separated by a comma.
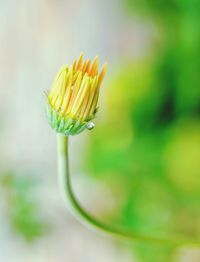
[(71, 105), (72, 99)]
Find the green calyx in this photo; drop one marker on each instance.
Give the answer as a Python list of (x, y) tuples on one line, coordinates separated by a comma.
[(65, 125)]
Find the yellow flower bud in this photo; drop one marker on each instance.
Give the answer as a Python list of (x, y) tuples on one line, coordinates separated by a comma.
[(72, 99)]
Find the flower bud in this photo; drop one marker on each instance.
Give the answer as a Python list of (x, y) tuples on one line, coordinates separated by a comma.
[(72, 99)]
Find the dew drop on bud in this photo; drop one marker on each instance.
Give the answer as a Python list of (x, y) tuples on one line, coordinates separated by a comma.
[(90, 126)]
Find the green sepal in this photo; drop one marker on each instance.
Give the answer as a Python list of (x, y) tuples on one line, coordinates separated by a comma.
[(65, 125)]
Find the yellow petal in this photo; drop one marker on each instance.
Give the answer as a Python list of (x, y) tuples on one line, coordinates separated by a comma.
[(55, 82), (79, 62), (94, 103), (102, 74), (85, 114), (87, 69), (81, 94), (94, 68)]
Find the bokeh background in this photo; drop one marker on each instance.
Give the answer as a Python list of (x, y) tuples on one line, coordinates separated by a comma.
[(140, 167)]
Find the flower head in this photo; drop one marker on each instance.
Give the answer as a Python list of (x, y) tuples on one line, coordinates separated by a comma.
[(72, 99)]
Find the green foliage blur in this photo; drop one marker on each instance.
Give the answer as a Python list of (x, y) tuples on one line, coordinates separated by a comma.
[(23, 211), (147, 147)]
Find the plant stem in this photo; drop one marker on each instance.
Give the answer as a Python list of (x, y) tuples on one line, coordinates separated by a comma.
[(84, 217)]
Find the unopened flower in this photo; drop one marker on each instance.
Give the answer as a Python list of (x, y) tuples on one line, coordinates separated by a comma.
[(72, 99)]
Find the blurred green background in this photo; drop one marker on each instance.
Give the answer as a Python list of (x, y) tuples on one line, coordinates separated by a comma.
[(146, 147), (140, 167)]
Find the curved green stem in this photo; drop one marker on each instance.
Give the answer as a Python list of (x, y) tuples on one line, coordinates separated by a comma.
[(89, 220)]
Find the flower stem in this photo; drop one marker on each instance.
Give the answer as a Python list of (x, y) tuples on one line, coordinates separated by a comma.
[(80, 213)]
